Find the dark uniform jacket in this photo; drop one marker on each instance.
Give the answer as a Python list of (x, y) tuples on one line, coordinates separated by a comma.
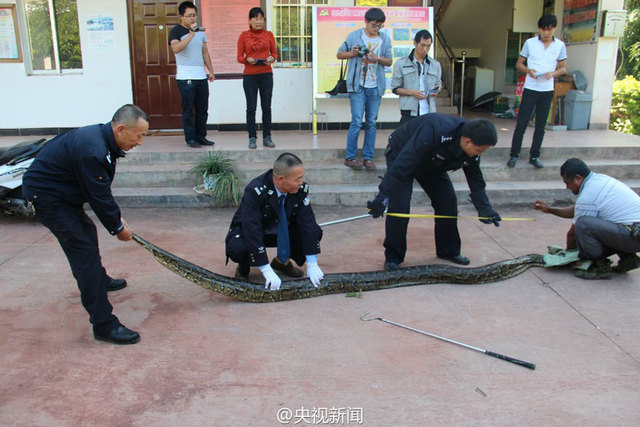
[(432, 143), (75, 168), (256, 220)]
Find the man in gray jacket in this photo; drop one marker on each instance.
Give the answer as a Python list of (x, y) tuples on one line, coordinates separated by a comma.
[(369, 52), (417, 79)]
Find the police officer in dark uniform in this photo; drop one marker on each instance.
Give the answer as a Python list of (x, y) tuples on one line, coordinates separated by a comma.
[(70, 170), (275, 211), (425, 149)]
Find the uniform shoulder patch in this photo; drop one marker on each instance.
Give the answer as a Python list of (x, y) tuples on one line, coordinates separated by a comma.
[(306, 201)]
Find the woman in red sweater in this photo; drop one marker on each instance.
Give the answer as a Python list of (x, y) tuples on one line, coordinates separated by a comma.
[(257, 51)]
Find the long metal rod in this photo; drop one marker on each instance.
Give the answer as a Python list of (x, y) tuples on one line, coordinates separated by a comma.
[(338, 221), (528, 365)]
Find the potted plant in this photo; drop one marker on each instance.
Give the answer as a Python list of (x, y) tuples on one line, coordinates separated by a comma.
[(220, 178)]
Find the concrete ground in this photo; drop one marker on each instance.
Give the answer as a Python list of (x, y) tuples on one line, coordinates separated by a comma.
[(205, 359)]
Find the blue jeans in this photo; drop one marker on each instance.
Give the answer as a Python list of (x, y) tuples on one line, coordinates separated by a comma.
[(365, 102)]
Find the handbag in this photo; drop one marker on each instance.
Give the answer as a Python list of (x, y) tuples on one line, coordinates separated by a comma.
[(341, 86)]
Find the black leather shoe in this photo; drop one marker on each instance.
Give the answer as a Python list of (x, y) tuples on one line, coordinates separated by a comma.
[(512, 161), (242, 271), (458, 259), (288, 269), (116, 284), (390, 266), (119, 335), (205, 141), (536, 162), (193, 143)]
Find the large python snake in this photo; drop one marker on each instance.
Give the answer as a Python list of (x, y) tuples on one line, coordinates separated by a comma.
[(342, 282)]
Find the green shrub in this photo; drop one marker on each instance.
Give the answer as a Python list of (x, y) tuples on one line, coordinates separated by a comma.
[(625, 106)]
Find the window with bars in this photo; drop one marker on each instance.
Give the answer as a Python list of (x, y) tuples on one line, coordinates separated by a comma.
[(54, 36), (292, 31)]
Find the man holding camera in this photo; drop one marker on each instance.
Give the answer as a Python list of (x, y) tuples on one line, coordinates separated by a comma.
[(189, 43), (368, 51), (424, 149), (606, 220)]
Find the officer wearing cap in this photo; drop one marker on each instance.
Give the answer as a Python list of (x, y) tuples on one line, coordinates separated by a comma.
[(76, 168), (424, 149), (275, 211)]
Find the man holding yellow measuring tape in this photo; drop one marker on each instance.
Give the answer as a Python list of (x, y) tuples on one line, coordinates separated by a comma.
[(425, 149)]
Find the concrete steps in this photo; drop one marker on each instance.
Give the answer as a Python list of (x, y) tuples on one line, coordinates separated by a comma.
[(163, 179)]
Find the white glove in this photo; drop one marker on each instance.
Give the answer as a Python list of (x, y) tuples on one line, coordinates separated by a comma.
[(314, 273), (271, 279)]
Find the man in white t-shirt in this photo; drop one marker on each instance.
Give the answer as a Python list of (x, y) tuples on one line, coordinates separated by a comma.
[(546, 58), (189, 43), (605, 215)]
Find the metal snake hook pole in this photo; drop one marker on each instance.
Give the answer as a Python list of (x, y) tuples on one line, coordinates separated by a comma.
[(528, 365), (338, 221)]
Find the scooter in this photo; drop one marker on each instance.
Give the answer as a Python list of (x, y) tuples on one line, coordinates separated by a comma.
[(14, 162)]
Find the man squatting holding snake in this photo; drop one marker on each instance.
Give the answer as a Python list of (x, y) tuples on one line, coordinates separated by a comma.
[(276, 211), (606, 220)]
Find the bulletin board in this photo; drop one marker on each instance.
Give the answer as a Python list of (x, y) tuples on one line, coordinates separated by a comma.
[(580, 21), (331, 25), (224, 21), (9, 38)]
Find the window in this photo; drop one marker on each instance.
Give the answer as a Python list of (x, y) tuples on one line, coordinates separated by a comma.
[(292, 30), (54, 36)]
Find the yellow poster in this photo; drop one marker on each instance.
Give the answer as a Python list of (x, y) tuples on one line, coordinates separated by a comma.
[(371, 3), (331, 25)]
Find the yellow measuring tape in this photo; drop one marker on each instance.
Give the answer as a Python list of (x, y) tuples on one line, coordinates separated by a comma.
[(404, 215)]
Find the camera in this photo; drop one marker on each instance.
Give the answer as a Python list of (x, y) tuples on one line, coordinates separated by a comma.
[(196, 29), (362, 51)]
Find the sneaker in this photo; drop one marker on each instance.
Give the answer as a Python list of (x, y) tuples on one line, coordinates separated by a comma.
[(626, 263), (353, 164), (268, 142), (252, 143), (287, 269), (512, 161), (369, 165), (536, 162), (599, 270)]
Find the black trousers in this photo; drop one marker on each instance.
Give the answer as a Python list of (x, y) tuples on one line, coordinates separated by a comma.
[(237, 251), (195, 107), (540, 102), (439, 188), (253, 84), (78, 238)]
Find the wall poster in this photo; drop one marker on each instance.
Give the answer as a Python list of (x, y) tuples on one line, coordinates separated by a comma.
[(580, 21), (224, 21), (331, 25), (9, 38)]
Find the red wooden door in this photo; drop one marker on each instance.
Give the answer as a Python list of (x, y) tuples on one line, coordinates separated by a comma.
[(153, 63)]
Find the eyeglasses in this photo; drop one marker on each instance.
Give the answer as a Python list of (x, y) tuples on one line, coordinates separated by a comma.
[(377, 25), (191, 15)]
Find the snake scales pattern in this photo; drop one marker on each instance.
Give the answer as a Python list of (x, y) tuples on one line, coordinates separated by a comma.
[(342, 282)]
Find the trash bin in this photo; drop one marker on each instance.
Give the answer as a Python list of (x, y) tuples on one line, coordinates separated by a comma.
[(577, 108)]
